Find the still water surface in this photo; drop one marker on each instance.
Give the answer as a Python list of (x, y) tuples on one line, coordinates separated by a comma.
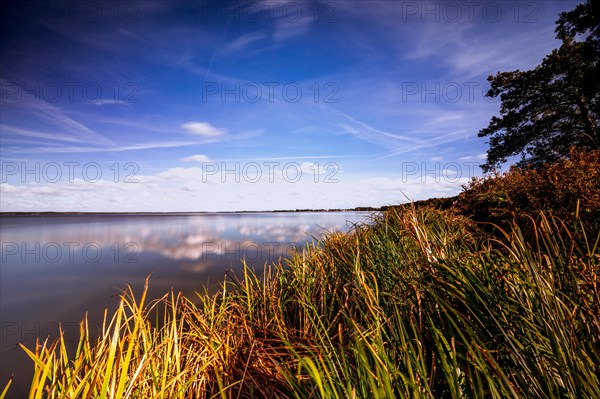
[(56, 268)]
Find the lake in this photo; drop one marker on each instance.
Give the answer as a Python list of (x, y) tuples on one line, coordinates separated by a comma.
[(55, 268)]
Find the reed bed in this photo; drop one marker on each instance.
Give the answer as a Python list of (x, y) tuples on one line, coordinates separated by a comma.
[(420, 303)]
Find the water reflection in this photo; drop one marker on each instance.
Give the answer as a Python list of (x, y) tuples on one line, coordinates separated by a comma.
[(57, 268)]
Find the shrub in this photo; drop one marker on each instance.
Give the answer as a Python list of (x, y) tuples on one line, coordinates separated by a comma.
[(566, 188)]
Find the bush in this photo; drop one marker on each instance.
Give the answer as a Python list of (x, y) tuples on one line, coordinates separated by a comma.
[(566, 188)]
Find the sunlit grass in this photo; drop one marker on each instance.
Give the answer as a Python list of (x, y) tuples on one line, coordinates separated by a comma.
[(419, 304)]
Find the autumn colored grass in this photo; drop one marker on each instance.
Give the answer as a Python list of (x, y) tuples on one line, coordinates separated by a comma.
[(420, 303)]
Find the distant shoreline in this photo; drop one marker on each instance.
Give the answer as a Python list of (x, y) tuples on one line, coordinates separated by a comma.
[(50, 213), (437, 202)]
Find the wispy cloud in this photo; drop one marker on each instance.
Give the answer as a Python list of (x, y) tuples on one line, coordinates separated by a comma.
[(40, 109), (477, 157), (203, 129), (243, 41), (204, 158), (433, 134), (369, 133), (57, 117), (292, 18), (197, 158), (470, 51), (285, 29), (109, 101), (8, 129), (307, 157), (133, 147)]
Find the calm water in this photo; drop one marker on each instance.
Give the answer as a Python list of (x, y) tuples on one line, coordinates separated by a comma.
[(56, 268)]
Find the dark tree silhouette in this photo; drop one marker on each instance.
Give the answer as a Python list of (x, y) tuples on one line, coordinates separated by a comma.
[(547, 110)]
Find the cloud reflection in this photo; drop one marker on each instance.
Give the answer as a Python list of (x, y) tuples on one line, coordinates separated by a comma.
[(194, 243)]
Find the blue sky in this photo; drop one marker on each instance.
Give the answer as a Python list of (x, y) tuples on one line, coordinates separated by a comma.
[(219, 106)]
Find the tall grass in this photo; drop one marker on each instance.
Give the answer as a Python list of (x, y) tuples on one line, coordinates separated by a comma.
[(418, 304)]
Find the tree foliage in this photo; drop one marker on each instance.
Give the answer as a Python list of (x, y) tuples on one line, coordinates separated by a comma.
[(547, 110)]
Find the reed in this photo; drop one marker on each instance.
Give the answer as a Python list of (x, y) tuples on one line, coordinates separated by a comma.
[(420, 303)]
